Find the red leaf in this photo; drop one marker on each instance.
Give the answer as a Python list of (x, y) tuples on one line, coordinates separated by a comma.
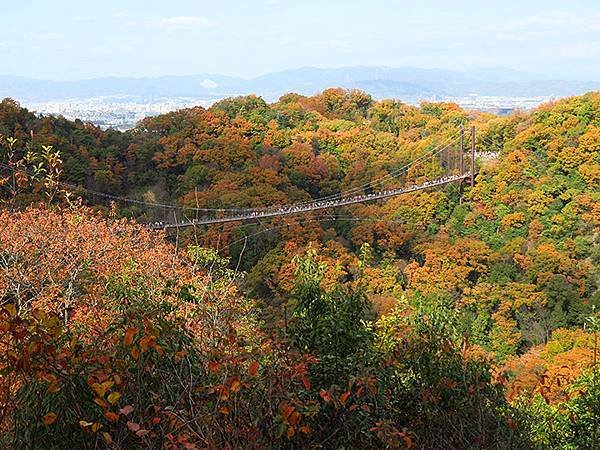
[(129, 334), (326, 396), (253, 369), (133, 426), (213, 366), (511, 423), (306, 383), (113, 417), (223, 393), (126, 410), (344, 397), (49, 418), (107, 438), (144, 343), (101, 402), (236, 385), (287, 410), (294, 418)]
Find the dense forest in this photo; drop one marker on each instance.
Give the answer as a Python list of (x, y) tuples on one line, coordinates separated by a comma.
[(457, 317)]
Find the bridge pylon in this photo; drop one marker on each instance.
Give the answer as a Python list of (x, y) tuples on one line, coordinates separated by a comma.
[(461, 150), (472, 156)]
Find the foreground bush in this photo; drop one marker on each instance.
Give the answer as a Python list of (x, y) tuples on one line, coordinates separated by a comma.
[(110, 338)]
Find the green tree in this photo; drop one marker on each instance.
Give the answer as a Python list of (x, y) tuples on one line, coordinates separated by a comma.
[(331, 325)]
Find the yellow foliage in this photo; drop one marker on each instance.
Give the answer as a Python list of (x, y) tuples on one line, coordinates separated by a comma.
[(590, 173), (538, 202), (514, 220), (447, 265)]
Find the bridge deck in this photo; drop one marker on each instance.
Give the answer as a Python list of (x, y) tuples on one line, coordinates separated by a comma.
[(311, 206)]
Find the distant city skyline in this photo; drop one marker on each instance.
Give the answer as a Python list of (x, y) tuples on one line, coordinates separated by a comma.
[(70, 40)]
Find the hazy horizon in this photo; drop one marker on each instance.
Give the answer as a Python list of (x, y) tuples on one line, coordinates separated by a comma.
[(288, 69), (67, 40), (547, 76)]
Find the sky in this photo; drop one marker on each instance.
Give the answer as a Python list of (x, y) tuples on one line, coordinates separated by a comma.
[(74, 39)]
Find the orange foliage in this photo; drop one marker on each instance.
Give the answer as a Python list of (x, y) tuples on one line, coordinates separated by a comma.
[(110, 282), (448, 266), (551, 368)]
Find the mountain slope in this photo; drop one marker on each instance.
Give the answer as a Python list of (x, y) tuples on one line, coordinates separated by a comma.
[(418, 83)]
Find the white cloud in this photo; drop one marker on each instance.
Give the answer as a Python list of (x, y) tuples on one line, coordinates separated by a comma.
[(183, 23), (49, 36), (547, 25), (337, 44), (209, 84), (120, 15), (582, 50)]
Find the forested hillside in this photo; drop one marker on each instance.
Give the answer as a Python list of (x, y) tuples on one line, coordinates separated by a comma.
[(456, 317)]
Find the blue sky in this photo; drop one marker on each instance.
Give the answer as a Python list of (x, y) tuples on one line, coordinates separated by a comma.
[(68, 39)]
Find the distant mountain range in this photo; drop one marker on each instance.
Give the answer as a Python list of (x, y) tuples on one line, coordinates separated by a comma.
[(407, 83)]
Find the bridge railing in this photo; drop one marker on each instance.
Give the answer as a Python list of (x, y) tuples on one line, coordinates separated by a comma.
[(448, 163), (312, 206)]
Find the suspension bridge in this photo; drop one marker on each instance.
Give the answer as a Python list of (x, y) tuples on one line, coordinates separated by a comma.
[(314, 206), (444, 164)]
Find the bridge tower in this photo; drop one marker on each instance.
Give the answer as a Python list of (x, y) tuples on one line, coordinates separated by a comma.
[(461, 151), (472, 156)]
